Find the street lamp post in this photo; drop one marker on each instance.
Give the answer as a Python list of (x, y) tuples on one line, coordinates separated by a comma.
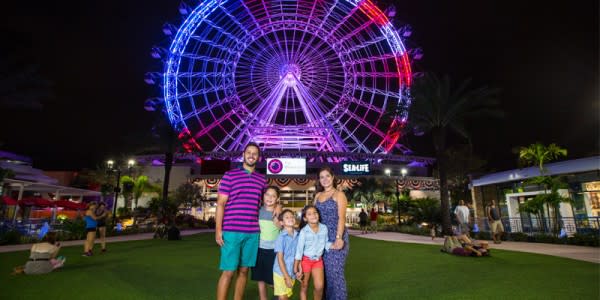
[(403, 171), (112, 168)]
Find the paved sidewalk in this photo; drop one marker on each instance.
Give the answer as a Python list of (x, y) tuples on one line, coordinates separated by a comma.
[(112, 239), (591, 254)]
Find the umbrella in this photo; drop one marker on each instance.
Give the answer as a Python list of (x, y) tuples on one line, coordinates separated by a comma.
[(70, 204), (9, 201), (36, 201)]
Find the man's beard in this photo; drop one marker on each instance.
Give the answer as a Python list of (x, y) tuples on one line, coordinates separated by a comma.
[(249, 164)]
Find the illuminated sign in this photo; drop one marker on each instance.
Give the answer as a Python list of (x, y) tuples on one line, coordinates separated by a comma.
[(286, 166), (356, 167)]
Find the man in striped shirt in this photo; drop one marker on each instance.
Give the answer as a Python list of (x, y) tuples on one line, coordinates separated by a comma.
[(237, 229)]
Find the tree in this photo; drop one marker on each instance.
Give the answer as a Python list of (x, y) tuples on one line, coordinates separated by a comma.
[(461, 161), (189, 195), (133, 189), (439, 109), (163, 208), (425, 210), (166, 140), (368, 191), (538, 154)]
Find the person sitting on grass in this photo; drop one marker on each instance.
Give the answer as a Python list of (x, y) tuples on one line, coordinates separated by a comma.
[(43, 257), (463, 246)]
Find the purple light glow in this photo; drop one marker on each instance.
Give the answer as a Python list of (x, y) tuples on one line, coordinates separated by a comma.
[(314, 76)]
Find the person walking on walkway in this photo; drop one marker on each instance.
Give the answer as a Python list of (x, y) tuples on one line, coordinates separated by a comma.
[(462, 217), (332, 205), (493, 215), (373, 217), (363, 219), (236, 223)]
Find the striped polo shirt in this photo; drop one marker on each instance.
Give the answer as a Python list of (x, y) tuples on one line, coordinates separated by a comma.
[(244, 191)]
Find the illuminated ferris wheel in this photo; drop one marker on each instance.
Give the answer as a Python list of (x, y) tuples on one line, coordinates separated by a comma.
[(289, 75)]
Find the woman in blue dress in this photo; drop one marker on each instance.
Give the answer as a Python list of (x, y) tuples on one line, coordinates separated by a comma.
[(332, 204)]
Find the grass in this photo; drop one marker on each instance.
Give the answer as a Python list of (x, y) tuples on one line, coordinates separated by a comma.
[(188, 269)]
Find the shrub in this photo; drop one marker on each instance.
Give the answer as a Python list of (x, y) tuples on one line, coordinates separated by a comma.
[(188, 220), (211, 223), (518, 236), (482, 235), (75, 228), (410, 229), (585, 239), (545, 238), (10, 237), (384, 219)]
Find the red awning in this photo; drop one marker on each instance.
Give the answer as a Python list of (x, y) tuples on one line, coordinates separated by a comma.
[(9, 201), (36, 201), (71, 205)]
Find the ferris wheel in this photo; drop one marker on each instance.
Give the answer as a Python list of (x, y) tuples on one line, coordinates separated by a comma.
[(288, 75)]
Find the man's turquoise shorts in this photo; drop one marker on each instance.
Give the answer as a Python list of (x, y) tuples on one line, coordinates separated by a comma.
[(239, 250)]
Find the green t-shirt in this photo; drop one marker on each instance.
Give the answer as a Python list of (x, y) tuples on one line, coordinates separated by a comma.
[(268, 231)]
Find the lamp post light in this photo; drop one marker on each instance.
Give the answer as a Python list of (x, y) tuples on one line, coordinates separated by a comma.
[(112, 168), (403, 171)]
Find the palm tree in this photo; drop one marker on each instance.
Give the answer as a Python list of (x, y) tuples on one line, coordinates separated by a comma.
[(166, 140), (439, 108), (368, 191), (538, 154), (133, 189), (461, 161)]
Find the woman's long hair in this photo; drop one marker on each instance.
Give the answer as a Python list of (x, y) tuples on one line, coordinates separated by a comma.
[(318, 186)]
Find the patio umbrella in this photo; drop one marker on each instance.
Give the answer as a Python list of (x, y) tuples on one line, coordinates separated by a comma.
[(70, 204), (9, 201), (36, 201), (41, 202), (29, 201)]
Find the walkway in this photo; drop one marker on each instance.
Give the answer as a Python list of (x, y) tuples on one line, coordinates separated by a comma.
[(591, 254), (112, 239)]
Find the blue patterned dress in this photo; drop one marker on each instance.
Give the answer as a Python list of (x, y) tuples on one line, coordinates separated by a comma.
[(334, 260)]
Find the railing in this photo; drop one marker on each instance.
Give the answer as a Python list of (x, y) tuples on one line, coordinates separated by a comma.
[(545, 225), (29, 227)]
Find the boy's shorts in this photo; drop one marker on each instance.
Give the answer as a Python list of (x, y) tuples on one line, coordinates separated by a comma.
[(263, 270), (309, 264), (240, 250), (280, 288)]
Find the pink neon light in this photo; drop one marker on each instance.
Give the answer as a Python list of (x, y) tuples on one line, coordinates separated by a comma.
[(374, 13), (188, 141)]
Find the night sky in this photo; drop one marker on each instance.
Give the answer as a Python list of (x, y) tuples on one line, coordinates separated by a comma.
[(543, 56)]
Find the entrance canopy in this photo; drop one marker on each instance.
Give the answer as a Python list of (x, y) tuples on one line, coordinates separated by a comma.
[(57, 190)]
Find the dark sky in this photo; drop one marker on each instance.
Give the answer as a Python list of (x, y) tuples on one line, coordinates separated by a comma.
[(543, 56)]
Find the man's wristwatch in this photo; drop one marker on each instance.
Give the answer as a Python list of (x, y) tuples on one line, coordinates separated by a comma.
[(338, 237)]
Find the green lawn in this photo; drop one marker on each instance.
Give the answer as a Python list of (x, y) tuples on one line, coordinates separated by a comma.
[(159, 269)]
